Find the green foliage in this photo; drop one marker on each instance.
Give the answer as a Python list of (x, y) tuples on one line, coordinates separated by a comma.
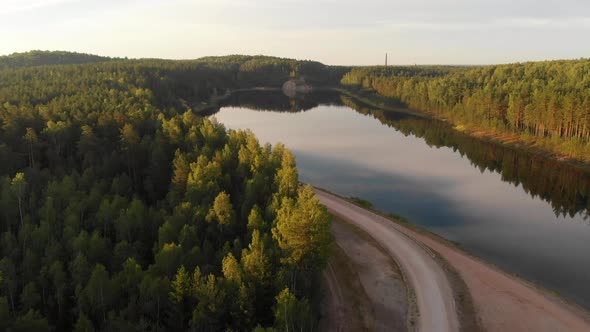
[(43, 58), (292, 314), (4, 313), (222, 210), (255, 261), (303, 230), (31, 321), (255, 220), (134, 212), (262, 329), (547, 101), (30, 297), (83, 324), (231, 269), (19, 186), (362, 202), (181, 286)]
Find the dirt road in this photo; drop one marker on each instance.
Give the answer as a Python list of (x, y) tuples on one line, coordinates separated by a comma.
[(433, 292), (506, 303), (503, 302)]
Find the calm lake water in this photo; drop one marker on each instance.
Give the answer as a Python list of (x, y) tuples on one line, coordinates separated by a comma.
[(518, 211)]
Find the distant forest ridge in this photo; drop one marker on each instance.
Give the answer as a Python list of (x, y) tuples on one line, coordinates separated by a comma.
[(542, 104), (44, 58)]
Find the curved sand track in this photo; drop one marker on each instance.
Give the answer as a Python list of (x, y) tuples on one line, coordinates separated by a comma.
[(433, 292), (503, 303)]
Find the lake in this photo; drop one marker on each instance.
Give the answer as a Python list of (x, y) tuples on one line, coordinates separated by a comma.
[(521, 212)]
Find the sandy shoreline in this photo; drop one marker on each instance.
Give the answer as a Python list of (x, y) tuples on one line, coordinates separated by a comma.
[(502, 302)]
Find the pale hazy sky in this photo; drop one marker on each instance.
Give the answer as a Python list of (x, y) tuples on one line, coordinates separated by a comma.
[(331, 31)]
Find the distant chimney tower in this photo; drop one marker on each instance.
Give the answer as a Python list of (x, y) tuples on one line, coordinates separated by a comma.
[(385, 59)]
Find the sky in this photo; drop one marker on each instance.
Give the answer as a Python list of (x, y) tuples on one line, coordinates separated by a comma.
[(331, 31)]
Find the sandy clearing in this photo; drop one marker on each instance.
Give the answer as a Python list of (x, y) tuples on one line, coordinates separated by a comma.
[(433, 292), (344, 306), (334, 303), (379, 276)]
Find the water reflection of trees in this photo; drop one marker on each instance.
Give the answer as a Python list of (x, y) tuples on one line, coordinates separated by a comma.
[(565, 187), (276, 100)]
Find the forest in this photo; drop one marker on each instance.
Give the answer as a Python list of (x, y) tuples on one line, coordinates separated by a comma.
[(545, 104), (43, 58), (120, 210)]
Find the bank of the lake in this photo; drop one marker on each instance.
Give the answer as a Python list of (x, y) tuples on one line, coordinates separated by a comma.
[(520, 211), (545, 147), (495, 300)]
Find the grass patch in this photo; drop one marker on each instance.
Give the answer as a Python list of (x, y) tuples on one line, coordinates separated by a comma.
[(359, 201), (371, 99), (397, 217)]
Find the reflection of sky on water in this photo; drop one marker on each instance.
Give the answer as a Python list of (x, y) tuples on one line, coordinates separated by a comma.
[(355, 155)]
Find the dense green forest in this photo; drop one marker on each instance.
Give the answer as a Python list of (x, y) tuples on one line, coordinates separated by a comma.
[(123, 211), (546, 104), (44, 58)]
